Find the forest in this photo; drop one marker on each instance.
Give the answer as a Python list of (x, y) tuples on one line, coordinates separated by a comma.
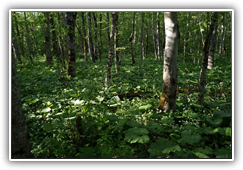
[(125, 85)]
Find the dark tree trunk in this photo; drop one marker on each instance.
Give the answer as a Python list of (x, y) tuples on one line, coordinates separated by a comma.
[(95, 36), (20, 143), (131, 39), (202, 79), (154, 37), (28, 39), (55, 46), (15, 46), (100, 42), (116, 54), (213, 43), (141, 44), (48, 39), (111, 47), (60, 41), (71, 19), (90, 43), (84, 41)]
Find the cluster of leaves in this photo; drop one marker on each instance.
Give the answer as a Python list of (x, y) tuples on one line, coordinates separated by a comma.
[(124, 128)]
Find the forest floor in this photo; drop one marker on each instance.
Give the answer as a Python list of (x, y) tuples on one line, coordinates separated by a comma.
[(81, 118)]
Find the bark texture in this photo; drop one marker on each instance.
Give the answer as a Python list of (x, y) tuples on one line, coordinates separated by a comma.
[(15, 46), (111, 47), (84, 41), (71, 19), (141, 44), (202, 79), (116, 53), (28, 39), (20, 144), (90, 42), (168, 97), (213, 43), (56, 51), (48, 39)]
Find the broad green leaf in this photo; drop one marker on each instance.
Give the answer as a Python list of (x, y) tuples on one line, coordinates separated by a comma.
[(221, 114), (100, 98), (86, 152), (78, 102), (201, 155), (190, 137), (137, 135), (167, 120), (163, 146), (48, 127), (145, 107), (48, 109), (214, 120), (223, 153)]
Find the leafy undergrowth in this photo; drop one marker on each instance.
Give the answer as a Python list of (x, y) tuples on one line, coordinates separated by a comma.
[(84, 119)]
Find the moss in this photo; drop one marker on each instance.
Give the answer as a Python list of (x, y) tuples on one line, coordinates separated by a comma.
[(164, 99)]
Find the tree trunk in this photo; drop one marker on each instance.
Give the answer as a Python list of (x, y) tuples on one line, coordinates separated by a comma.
[(131, 39), (20, 40), (141, 44), (15, 46), (146, 45), (55, 46), (154, 38), (95, 36), (84, 42), (20, 143), (60, 40), (158, 36), (28, 39), (221, 47), (202, 79), (168, 97), (48, 39), (90, 43), (111, 48), (100, 42), (116, 56), (71, 19), (213, 43)]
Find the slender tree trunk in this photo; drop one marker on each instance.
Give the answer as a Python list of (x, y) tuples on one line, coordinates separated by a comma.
[(60, 40), (90, 43), (95, 36), (111, 48), (19, 39), (135, 39), (65, 49), (28, 39), (158, 36), (146, 46), (154, 38), (48, 39), (84, 42), (71, 19), (168, 97), (15, 46), (100, 42), (213, 43), (141, 44), (202, 79), (55, 46), (221, 47), (20, 143), (131, 39), (116, 55)]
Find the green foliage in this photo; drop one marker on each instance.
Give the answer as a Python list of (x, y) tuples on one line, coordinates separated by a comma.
[(112, 127)]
